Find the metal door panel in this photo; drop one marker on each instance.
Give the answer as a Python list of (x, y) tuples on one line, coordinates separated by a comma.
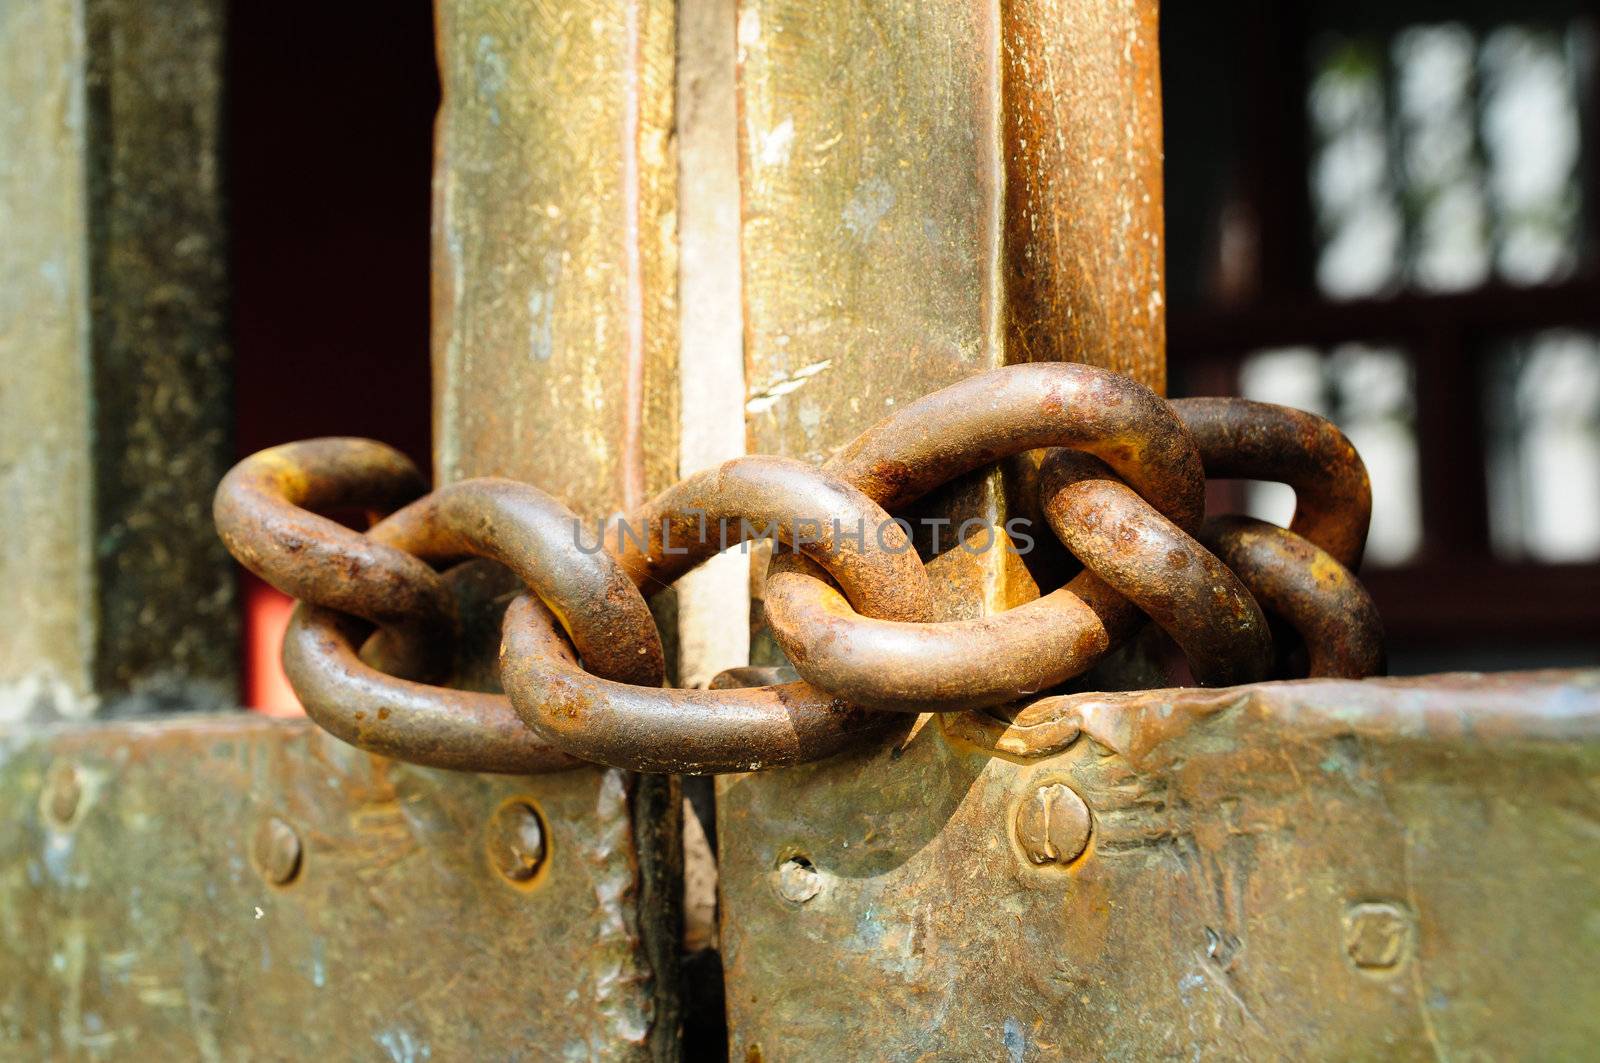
[(141, 912), (1395, 869)]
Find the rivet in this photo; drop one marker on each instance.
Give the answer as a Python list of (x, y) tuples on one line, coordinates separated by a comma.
[(63, 792), (516, 842), (1377, 936), (1053, 824), (277, 851), (798, 880)]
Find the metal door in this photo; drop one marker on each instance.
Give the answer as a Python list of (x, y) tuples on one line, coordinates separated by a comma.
[(664, 233)]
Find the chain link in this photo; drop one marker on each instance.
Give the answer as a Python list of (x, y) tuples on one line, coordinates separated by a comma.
[(375, 648)]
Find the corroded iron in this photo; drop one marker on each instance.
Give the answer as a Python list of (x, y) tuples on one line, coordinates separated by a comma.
[(1147, 558), (611, 709), (710, 731), (960, 428), (1261, 441), (1327, 606), (268, 510), (440, 727), (536, 537), (690, 732), (1017, 408), (949, 665), (262, 508), (1321, 600), (816, 513)]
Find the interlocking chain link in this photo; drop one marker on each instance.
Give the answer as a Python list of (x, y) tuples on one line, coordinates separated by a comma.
[(373, 645)]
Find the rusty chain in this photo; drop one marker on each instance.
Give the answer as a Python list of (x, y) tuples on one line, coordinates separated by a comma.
[(374, 646)]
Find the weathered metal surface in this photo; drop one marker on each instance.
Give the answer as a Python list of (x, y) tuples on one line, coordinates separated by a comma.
[(807, 510), (445, 727), (113, 334), (1385, 869), (1334, 616), (882, 151), (713, 731), (691, 732), (944, 435), (555, 324), (238, 888), (893, 658), (1126, 544), (932, 190), (1085, 254), (1261, 441), (268, 511), (555, 308), (872, 176), (536, 538)]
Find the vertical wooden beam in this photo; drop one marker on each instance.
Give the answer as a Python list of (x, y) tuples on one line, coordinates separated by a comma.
[(712, 599), (113, 334), (555, 362)]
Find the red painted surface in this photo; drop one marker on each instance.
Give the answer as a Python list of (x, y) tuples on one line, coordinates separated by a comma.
[(330, 117)]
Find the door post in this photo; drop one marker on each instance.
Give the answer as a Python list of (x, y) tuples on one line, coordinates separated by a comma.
[(115, 410), (555, 345)]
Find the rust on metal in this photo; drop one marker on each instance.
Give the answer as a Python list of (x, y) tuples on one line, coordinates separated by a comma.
[(1053, 824), (1084, 229), (537, 538), (808, 511), (1122, 440), (1147, 558), (439, 727), (1242, 439), (713, 731), (949, 665), (1332, 613), (688, 732), (966, 426), (1012, 409), (264, 512), (268, 512)]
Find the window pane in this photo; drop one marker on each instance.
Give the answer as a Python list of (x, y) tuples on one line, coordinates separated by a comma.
[(1443, 157), (1530, 125), (1375, 405), (1357, 215), (1443, 176), (1544, 448)]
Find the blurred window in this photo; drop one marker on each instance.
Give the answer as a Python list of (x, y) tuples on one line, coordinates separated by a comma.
[(1544, 448), (1443, 158), (1385, 211)]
